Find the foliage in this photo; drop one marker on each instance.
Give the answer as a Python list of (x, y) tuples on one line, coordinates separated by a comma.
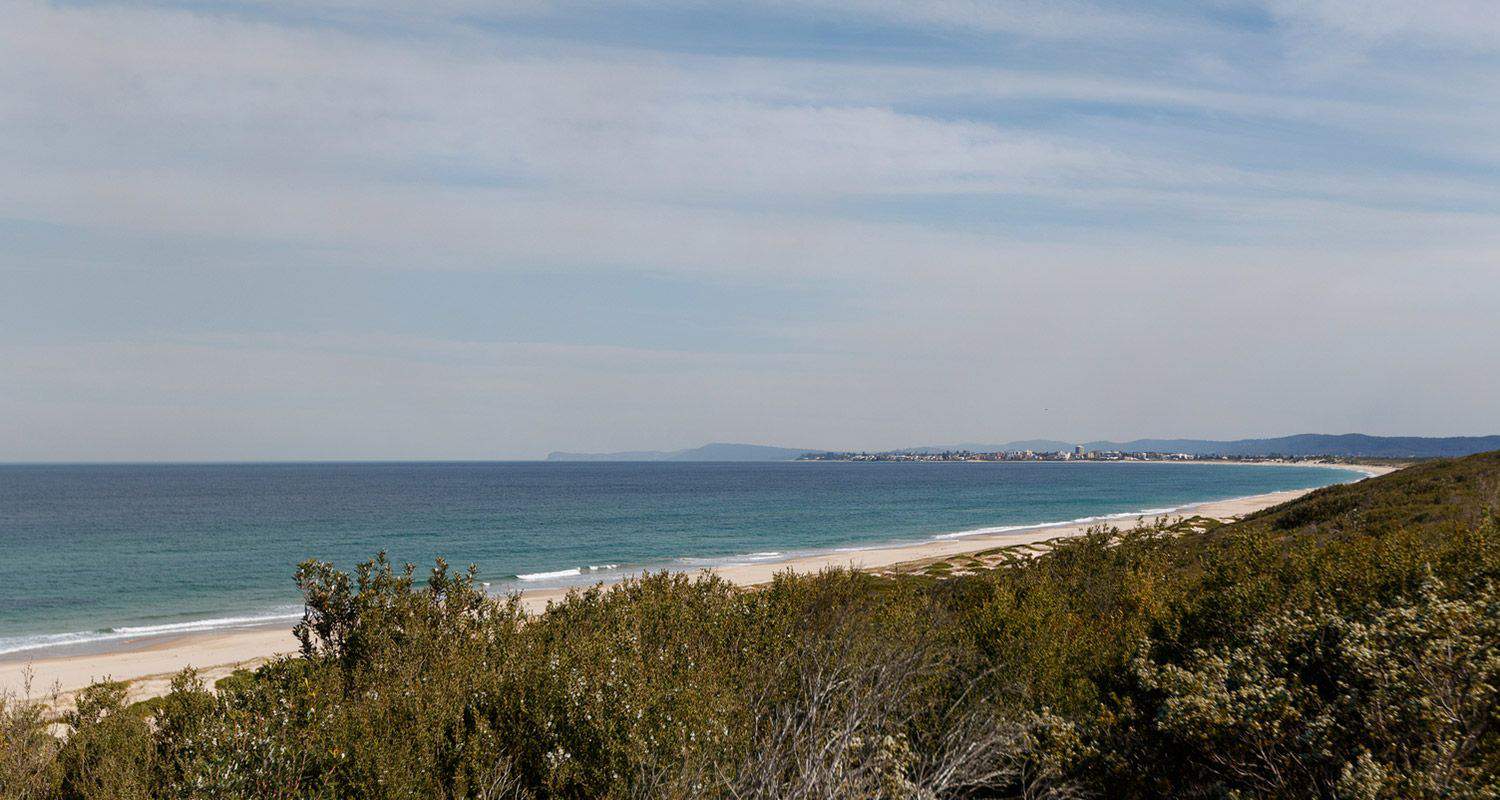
[(27, 752), (109, 754), (1399, 702)]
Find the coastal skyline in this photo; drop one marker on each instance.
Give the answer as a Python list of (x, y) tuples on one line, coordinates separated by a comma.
[(261, 231)]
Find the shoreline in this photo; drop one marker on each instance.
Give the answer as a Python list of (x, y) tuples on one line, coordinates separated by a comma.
[(149, 663), (879, 557)]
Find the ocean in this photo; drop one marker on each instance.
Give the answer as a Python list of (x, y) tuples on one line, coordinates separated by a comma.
[(98, 553)]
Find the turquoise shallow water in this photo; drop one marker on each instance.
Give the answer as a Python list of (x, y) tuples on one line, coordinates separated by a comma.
[(102, 552)]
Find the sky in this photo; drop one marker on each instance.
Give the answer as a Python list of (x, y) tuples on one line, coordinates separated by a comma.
[(331, 229)]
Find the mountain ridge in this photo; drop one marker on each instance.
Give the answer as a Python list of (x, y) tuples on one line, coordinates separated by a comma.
[(1302, 444)]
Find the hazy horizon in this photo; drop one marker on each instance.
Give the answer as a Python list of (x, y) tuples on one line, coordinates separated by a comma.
[(341, 230), (956, 445)]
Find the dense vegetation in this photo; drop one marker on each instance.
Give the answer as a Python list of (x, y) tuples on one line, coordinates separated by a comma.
[(1346, 644)]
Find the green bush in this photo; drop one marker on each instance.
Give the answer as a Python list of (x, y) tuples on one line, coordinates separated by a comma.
[(1399, 702), (109, 753), (28, 753)]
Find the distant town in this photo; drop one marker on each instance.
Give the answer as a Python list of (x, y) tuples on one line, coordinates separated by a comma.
[(1076, 454)]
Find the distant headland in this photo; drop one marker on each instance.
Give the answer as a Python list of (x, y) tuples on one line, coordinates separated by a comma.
[(1306, 445)]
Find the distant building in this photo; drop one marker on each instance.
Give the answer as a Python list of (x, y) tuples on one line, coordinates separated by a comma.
[(1078, 451)]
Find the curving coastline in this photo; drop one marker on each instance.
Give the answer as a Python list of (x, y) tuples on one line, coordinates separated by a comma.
[(149, 661)]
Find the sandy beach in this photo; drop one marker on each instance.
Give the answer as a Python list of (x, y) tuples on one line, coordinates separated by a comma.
[(149, 664)]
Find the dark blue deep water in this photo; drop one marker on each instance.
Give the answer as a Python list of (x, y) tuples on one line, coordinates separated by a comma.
[(91, 553)]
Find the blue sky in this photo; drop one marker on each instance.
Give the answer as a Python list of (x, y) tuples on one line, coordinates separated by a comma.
[(340, 229)]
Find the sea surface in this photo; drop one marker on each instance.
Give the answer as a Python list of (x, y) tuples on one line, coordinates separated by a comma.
[(95, 554)]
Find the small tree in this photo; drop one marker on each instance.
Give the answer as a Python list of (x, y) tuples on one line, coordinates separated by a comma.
[(108, 755)]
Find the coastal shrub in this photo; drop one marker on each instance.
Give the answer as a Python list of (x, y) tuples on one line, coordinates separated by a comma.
[(872, 725), (108, 755), (1401, 703), (27, 751), (1056, 626)]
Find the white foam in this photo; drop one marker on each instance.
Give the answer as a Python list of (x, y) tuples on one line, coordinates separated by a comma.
[(20, 644), (566, 573), (542, 576), (734, 560)]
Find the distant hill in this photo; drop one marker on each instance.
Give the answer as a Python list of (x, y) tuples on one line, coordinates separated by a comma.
[(1306, 444), (718, 451), (1039, 445), (1316, 444)]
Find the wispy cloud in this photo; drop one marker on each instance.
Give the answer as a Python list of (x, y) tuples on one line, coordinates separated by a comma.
[(1437, 26), (1014, 189)]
